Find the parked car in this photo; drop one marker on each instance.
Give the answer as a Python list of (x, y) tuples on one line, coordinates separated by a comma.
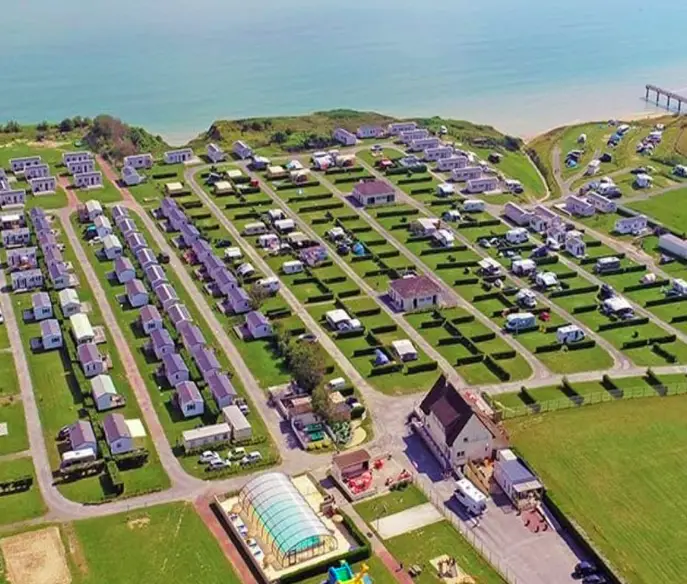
[(594, 579), (223, 243), (63, 432), (208, 456), (254, 456), (237, 453), (219, 464)]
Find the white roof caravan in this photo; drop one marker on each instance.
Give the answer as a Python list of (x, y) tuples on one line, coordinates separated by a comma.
[(470, 497)]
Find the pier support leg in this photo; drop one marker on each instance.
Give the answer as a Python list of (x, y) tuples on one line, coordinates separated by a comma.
[(647, 94), (668, 102), (658, 95)]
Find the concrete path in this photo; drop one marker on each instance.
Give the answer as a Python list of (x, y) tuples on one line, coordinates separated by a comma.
[(398, 319), (15, 455), (408, 520), (538, 368), (297, 308), (620, 361), (257, 395), (177, 474)]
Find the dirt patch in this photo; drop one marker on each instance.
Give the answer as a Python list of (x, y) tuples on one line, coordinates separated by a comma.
[(8, 400), (75, 550), (139, 523), (37, 557)]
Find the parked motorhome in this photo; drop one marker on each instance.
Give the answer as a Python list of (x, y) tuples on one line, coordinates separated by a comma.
[(470, 497)]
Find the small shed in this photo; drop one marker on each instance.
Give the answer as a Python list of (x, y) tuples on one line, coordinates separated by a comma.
[(349, 465)]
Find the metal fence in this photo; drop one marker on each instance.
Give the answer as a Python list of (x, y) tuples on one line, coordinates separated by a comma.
[(575, 400), (426, 486)]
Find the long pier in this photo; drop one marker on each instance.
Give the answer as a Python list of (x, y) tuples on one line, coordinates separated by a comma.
[(669, 95)]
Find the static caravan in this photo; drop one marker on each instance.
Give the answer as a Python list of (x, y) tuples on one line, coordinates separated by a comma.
[(593, 167), (423, 144), (517, 235), (255, 228), (470, 497), (292, 267), (484, 184), (520, 321), (569, 334), (452, 163), (473, 206), (605, 265)]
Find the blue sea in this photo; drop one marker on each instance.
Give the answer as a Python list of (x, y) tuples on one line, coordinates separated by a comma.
[(175, 66)]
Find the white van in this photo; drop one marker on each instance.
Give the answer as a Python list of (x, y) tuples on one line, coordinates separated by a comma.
[(473, 206), (520, 321), (72, 457), (470, 497)]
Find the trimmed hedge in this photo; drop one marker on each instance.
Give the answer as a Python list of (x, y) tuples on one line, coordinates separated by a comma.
[(463, 319), (466, 282), (420, 367), (587, 344), (471, 360), (503, 355), (681, 318), (397, 213), (386, 369), (387, 328), (666, 300), (319, 298), (321, 207), (287, 186), (623, 323), (350, 334), (483, 337), (432, 324), (348, 293), (552, 348), (573, 291), (655, 284), (661, 352), (496, 369), (449, 341), (585, 308)]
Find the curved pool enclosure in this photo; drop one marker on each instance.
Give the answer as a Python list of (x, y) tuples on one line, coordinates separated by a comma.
[(284, 519)]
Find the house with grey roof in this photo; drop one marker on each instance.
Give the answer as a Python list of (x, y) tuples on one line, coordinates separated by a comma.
[(90, 359), (124, 270), (59, 275), (189, 234), (161, 343), (166, 295), (135, 241), (191, 337), (178, 314), (117, 434), (22, 258), (81, 436), (257, 325), (69, 302), (155, 276), (131, 177), (103, 226), (242, 150), (112, 247), (145, 257), (188, 399), (221, 388), (47, 240), (93, 209), (215, 153), (136, 293), (213, 265), (178, 156), (225, 281), (41, 307), (127, 226), (201, 249), (206, 361), (26, 279), (150, 319), (105, 394), (238, 301), (174, 369), (51, 334), (118, 213)]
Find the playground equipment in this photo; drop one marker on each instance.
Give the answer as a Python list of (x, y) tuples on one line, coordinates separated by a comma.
[(343, 574), (449, 571)]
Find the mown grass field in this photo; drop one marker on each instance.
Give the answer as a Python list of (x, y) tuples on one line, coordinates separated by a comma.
[(19, 506), (668, 208), (393, 502), (617, 470)]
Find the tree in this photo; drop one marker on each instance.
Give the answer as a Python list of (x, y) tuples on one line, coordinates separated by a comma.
[(12, 127), (66, 125), (321, 404), (279, 138), (282, 339), (42, 126), (307, 364), (257, 295)]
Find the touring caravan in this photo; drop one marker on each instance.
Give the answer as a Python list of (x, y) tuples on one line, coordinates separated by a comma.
[(470, 497), (520, 321)]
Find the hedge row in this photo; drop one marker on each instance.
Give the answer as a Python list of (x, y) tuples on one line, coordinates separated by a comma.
[(585, 308), (319, 298), (387, 328), (503, 355), (483, 223), (650, 341), (483, 337), (407, 170), (386, 369), (420, 367), (573, 291), (349, 293), (351, 179), (662, 352), (308, 198), (471, 360), (496, 369), (459, 264), (466, 281), (623, 323), (321, 207), (655, 284), (666, 300), (287, 186), (397, 213)]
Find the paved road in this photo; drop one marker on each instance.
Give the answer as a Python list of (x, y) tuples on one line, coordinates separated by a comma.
[(177, 474), (418, 339), (539, 370), (616, 355), (370, 395), (269, 415)]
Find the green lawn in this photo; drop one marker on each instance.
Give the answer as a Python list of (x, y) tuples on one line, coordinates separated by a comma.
[(169, 544), (617, 470), (668, 208), (9, 385), (19, 506), (172, 422), (423, 545), (392, 502), (12, 413)]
